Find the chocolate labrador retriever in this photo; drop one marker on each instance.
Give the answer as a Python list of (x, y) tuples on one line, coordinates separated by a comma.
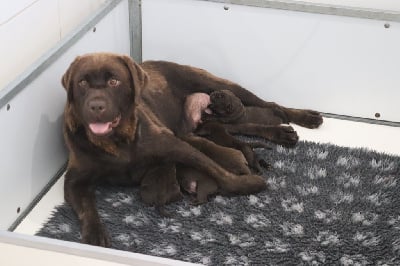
[(122, 125)]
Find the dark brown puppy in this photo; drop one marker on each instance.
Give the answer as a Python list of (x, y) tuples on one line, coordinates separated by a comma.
[(226, 107), (197, 184), (217, 133), (197, 109), (167, 187), (201, 185), (123, 119)]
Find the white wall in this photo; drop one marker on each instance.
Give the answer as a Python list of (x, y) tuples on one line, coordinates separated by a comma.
[(393, 5), (333, 64), (29, 28), (31, 141)]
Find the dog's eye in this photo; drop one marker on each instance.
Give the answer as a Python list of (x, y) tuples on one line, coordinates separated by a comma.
[(83, 83), (113, 82)]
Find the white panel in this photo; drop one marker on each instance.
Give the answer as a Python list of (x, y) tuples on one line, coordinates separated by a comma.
[(18, 249), (32, 148), (333, 64), (28, 28), (8, 9), (373, 4), (71, 13), (27, 36)]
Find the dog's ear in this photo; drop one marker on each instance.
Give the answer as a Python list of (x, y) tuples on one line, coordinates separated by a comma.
[(70, 120), (67, 80), (139, 77)]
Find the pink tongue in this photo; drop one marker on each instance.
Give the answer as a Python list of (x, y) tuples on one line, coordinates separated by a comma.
[(100, 128), (208, 111)]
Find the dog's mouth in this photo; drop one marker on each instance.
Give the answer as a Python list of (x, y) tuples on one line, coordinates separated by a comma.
[(103, 129), (213, 109), (207, 112)]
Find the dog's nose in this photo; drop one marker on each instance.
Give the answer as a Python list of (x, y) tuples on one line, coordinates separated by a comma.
[(97, 106)]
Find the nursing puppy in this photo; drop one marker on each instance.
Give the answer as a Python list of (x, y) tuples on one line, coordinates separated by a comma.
[(217, 133), (227, 108), (227, 114), (205, 122), (200, 185), (122, 125)]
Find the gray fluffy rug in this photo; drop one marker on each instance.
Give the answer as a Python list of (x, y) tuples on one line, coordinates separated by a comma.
[(326, 205)]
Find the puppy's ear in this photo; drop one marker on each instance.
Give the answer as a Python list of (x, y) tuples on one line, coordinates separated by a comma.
[(67, 80), (139, 77)]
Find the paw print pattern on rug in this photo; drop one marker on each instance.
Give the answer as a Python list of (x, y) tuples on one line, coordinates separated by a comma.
[(325, 205)]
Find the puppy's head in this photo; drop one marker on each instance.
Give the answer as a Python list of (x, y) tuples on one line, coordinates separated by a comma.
[(101, 88), (225, 105)]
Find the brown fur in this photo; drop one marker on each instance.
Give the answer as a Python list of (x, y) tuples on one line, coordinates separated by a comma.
[(227, 108), (161, 179), (195, 111), (231, 159), (217, 133), (197, 184), (123, 126)]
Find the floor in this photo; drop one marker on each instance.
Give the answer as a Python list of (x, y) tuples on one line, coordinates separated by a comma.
[(340, 132)]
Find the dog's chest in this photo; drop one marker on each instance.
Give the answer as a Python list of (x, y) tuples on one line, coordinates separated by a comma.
[(166, 107)]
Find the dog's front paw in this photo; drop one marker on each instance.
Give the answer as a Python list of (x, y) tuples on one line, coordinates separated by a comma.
[(285, 136), (96, 235), (310, 119)]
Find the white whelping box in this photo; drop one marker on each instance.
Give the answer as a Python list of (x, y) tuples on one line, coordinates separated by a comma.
[(342, 61)]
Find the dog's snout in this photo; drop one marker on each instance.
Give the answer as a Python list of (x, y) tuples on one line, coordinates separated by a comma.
[(97, 106)]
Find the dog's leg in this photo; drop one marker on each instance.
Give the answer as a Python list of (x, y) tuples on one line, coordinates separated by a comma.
[(80, 194), (305, 118), (230, 159), (283, 135), (169, 148)]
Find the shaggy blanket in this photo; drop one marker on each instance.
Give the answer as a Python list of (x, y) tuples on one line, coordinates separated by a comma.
[(325, 205)]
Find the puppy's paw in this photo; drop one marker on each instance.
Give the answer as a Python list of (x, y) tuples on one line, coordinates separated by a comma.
[(96, 235)]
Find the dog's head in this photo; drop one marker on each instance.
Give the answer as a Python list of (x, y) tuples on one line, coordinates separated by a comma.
[(226, 106), (101, 88)]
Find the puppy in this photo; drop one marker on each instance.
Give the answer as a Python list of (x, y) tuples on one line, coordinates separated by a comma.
[(200, 184)]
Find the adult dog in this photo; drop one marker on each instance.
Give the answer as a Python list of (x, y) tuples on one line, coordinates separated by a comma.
[(123, 125)]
